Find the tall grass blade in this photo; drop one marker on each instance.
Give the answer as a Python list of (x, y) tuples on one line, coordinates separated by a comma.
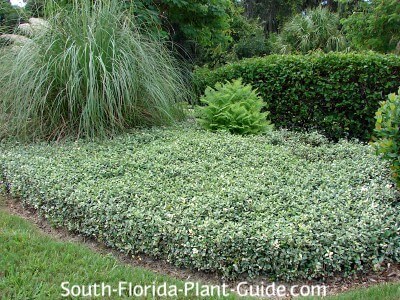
[(90, 72)]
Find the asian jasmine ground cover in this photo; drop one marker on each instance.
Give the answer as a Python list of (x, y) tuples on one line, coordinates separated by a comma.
[(286, 205)]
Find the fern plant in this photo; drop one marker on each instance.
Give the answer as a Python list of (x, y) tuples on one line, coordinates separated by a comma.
[(233, 107)]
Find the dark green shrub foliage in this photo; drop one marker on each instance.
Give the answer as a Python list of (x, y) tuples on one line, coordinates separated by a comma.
[(233, 107), (387, 133), (336, 93)]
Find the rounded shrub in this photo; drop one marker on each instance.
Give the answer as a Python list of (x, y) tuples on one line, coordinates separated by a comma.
[(90, 72), (233, 107), (335, 93), (387, 135)]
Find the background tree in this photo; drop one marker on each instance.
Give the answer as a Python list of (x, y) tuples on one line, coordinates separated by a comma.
[(35, 8), (347, 7), (274, 13), (375, 26), (9, 17), (248, 37), (314, 29), (191, 24), (200, 28), (271, 12)]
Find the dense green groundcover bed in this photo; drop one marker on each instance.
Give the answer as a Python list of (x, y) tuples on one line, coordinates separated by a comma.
[(286, 205)]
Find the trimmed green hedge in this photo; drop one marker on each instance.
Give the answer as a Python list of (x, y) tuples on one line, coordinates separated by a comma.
[(336, 93), (284, 205)]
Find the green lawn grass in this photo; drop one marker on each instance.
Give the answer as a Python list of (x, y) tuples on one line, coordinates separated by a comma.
[(390, 291), (33, 266)]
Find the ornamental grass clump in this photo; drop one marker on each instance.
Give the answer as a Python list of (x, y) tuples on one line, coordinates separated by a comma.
[(233, 107), (90, 72)]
